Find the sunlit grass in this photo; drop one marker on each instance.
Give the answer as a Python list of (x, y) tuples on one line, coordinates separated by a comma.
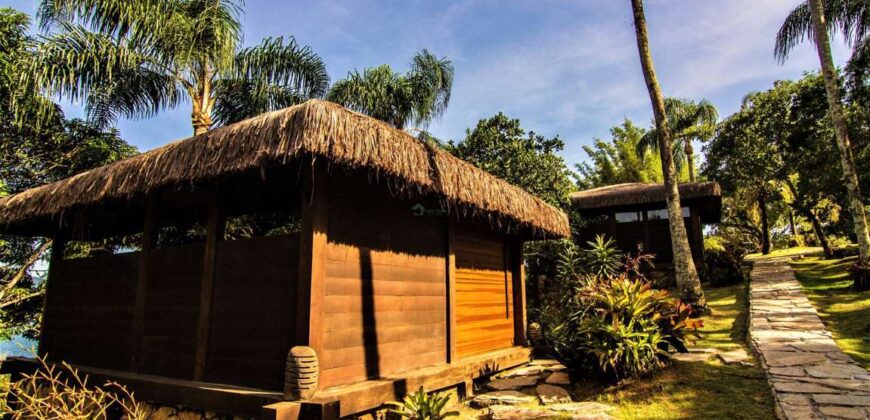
[(846, 313), (787, 252), (712, 389)]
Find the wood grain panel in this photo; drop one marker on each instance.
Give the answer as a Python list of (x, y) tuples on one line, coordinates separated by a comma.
[(171, 311), (385, 297), (253, 316), (90, 314), (484, 294)]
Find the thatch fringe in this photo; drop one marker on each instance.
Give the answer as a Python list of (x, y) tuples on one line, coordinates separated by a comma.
[(639, 193), (315, 128)]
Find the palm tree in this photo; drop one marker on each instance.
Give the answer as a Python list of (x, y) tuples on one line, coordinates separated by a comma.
[(134, 58), (689, 121), (850, 23), (415, 98), (688, 282)]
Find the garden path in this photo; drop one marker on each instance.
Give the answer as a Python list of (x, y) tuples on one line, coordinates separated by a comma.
[(810, 376)]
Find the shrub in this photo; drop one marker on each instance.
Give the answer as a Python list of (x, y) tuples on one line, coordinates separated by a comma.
[(423, 406), (631, 327), (61, 393), (619, 326), (721, 268)]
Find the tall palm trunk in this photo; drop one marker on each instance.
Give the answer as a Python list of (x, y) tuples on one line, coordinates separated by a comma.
[(832, 86), (688, 283), (690, 158)]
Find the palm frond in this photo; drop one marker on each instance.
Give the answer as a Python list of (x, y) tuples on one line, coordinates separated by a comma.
[(286, 64), (136, 93), (76, 61), (239, 99), (432, 80), (851, 18), (138, 20)]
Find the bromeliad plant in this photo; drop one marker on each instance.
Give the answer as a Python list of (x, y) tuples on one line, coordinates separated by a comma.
[(423, 406), (616, 324)]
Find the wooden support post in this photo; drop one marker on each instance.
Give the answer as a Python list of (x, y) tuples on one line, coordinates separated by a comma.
[(58, 246), (312, 257), (611, 225), (451, 290), (698, 235), (215, 233), (518, 272), (149, 239)]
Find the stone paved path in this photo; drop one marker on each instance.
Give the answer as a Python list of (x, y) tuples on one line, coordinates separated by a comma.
[(810, 376)]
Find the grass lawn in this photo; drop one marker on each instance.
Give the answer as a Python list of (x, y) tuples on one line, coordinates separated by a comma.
[(712, 389), (694, 390), (845, 312)]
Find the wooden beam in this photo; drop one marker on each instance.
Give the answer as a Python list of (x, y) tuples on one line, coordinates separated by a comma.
[(58, 246), (215, 233), (149, 240), (312, 256), (451, 289), (518, 271)]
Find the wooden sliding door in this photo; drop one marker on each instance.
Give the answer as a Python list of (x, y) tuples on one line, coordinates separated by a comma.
[(484, 294)]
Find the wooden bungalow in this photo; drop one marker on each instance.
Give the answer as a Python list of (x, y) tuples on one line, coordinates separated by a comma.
[(635, 213), (312, 228)]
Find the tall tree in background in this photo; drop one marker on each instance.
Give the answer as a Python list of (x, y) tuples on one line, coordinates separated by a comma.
[(786, 40), (688, 282), (500, 146), (689, 121), (135, 58), (402, 100), (32, 155), (617, 161)]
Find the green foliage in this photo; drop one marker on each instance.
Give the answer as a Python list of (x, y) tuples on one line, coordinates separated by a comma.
[(416, 97), (32, 155), (618, 161), (632, 326), (135, 58), (721, 268), (501, 147), (603, 258), (689, 121), (617, 325), (423, 406)]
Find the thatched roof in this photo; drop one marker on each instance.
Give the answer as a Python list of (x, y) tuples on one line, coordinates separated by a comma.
[(637, 193), (317, 129)]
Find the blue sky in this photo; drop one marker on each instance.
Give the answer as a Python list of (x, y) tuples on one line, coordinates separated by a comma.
[(562, 67)]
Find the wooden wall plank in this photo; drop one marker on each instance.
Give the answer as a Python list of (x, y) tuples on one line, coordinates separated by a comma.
[(312, 256), (58, 247), (149, 239), (214, 234), (518, 273), (451, 290)]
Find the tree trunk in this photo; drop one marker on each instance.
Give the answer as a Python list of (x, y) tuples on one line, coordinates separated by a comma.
[(820, 234), (688, 283), (690, 159), (832, 86), (765, 227)]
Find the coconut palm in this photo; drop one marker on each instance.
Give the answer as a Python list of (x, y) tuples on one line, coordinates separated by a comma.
[(689, 121), (134, 58), (414, 98), (688, 282), (851, 17)]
